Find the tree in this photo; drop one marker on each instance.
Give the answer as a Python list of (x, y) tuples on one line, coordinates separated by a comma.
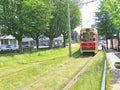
[(55, 24), (36, 15), (58, 24), (105, 25), (113, 9), (11, 20)]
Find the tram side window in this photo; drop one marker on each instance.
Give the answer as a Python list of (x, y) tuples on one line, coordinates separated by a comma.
[(88, 36)]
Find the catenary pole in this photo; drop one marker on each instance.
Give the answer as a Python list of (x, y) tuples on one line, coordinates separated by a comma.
[(69, 28)]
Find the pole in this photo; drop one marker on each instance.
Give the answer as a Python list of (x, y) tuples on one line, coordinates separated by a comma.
[(69, 28)]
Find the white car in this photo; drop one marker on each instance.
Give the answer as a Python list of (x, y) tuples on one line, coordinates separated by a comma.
[(8, 48), (3, 48)]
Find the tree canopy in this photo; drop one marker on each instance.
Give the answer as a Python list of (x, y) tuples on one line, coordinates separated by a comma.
[(11, 19), (36, 15), (21, 18), (59, 22), (104, 22), (112, 7)]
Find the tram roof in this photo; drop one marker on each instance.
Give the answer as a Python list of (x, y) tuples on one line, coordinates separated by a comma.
[(91, 29)]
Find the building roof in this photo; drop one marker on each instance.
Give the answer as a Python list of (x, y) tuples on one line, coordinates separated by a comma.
[(7, 37), (27, 39)]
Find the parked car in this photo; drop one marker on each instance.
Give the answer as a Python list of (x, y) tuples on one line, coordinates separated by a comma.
[(28, 47), (8, 48), (3, 48)]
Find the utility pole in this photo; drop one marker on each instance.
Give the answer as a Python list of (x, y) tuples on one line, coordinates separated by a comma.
[(69, 28)]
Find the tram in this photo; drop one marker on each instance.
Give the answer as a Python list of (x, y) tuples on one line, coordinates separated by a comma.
[(89, 40)]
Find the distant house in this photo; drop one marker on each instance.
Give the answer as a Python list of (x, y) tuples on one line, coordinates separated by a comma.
[(56, 42), (28, 41), (8, 40)]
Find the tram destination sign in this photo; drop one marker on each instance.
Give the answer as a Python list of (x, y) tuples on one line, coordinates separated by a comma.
[(87, 30)]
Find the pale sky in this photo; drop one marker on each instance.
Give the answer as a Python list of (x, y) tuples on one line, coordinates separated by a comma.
[(88, 13)]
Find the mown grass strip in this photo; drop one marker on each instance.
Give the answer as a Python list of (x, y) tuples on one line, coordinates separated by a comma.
[(78, 75), (59, 77), (91, 79), (108, 77), (19, 62), (31, 74), (22, 67), (10, 59)]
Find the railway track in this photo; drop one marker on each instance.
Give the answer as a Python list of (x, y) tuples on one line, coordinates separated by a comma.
[(70, 83), (86, 66), (28, 67), (38, 79)]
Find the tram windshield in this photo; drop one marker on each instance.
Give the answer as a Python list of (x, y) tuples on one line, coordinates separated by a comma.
[(88, 36)]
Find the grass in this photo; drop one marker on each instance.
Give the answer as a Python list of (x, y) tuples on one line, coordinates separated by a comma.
[(11, 59), (60, 76), (51, 69), (108, 78), (48, 70), (91, 79)]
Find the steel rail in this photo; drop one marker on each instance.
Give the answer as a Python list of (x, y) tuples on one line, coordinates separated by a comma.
[(85, 67)]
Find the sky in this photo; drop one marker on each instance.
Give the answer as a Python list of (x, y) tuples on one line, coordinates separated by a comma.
[(88, 14)]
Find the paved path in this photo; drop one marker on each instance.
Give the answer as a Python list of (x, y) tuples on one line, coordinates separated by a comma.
[(114, 56)]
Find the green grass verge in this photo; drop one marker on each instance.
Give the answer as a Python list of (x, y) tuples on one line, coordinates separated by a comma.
[(91, 79), (59, 77), (50, 69), (25, 61), (10, 59), (108, 78)]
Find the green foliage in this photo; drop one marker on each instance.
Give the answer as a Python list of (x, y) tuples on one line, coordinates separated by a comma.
[(34, 18), (75, 15), (36, 14), (11, 19), (104, 23), (113, 8), (59, 22)]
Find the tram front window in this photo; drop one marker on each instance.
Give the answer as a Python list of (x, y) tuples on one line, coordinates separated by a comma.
[(88, 36)]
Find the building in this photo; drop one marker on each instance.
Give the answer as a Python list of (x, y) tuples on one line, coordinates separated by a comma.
[(8, 40)]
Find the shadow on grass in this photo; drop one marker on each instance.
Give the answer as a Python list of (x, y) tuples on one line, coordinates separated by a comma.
[(78, 54)]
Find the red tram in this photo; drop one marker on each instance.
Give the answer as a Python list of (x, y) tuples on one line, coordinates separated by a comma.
[(89, 40)]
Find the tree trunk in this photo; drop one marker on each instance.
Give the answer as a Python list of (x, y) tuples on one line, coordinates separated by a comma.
[(37, 43), (64, 42), (112, 43), (51, 43), (20, 46)]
